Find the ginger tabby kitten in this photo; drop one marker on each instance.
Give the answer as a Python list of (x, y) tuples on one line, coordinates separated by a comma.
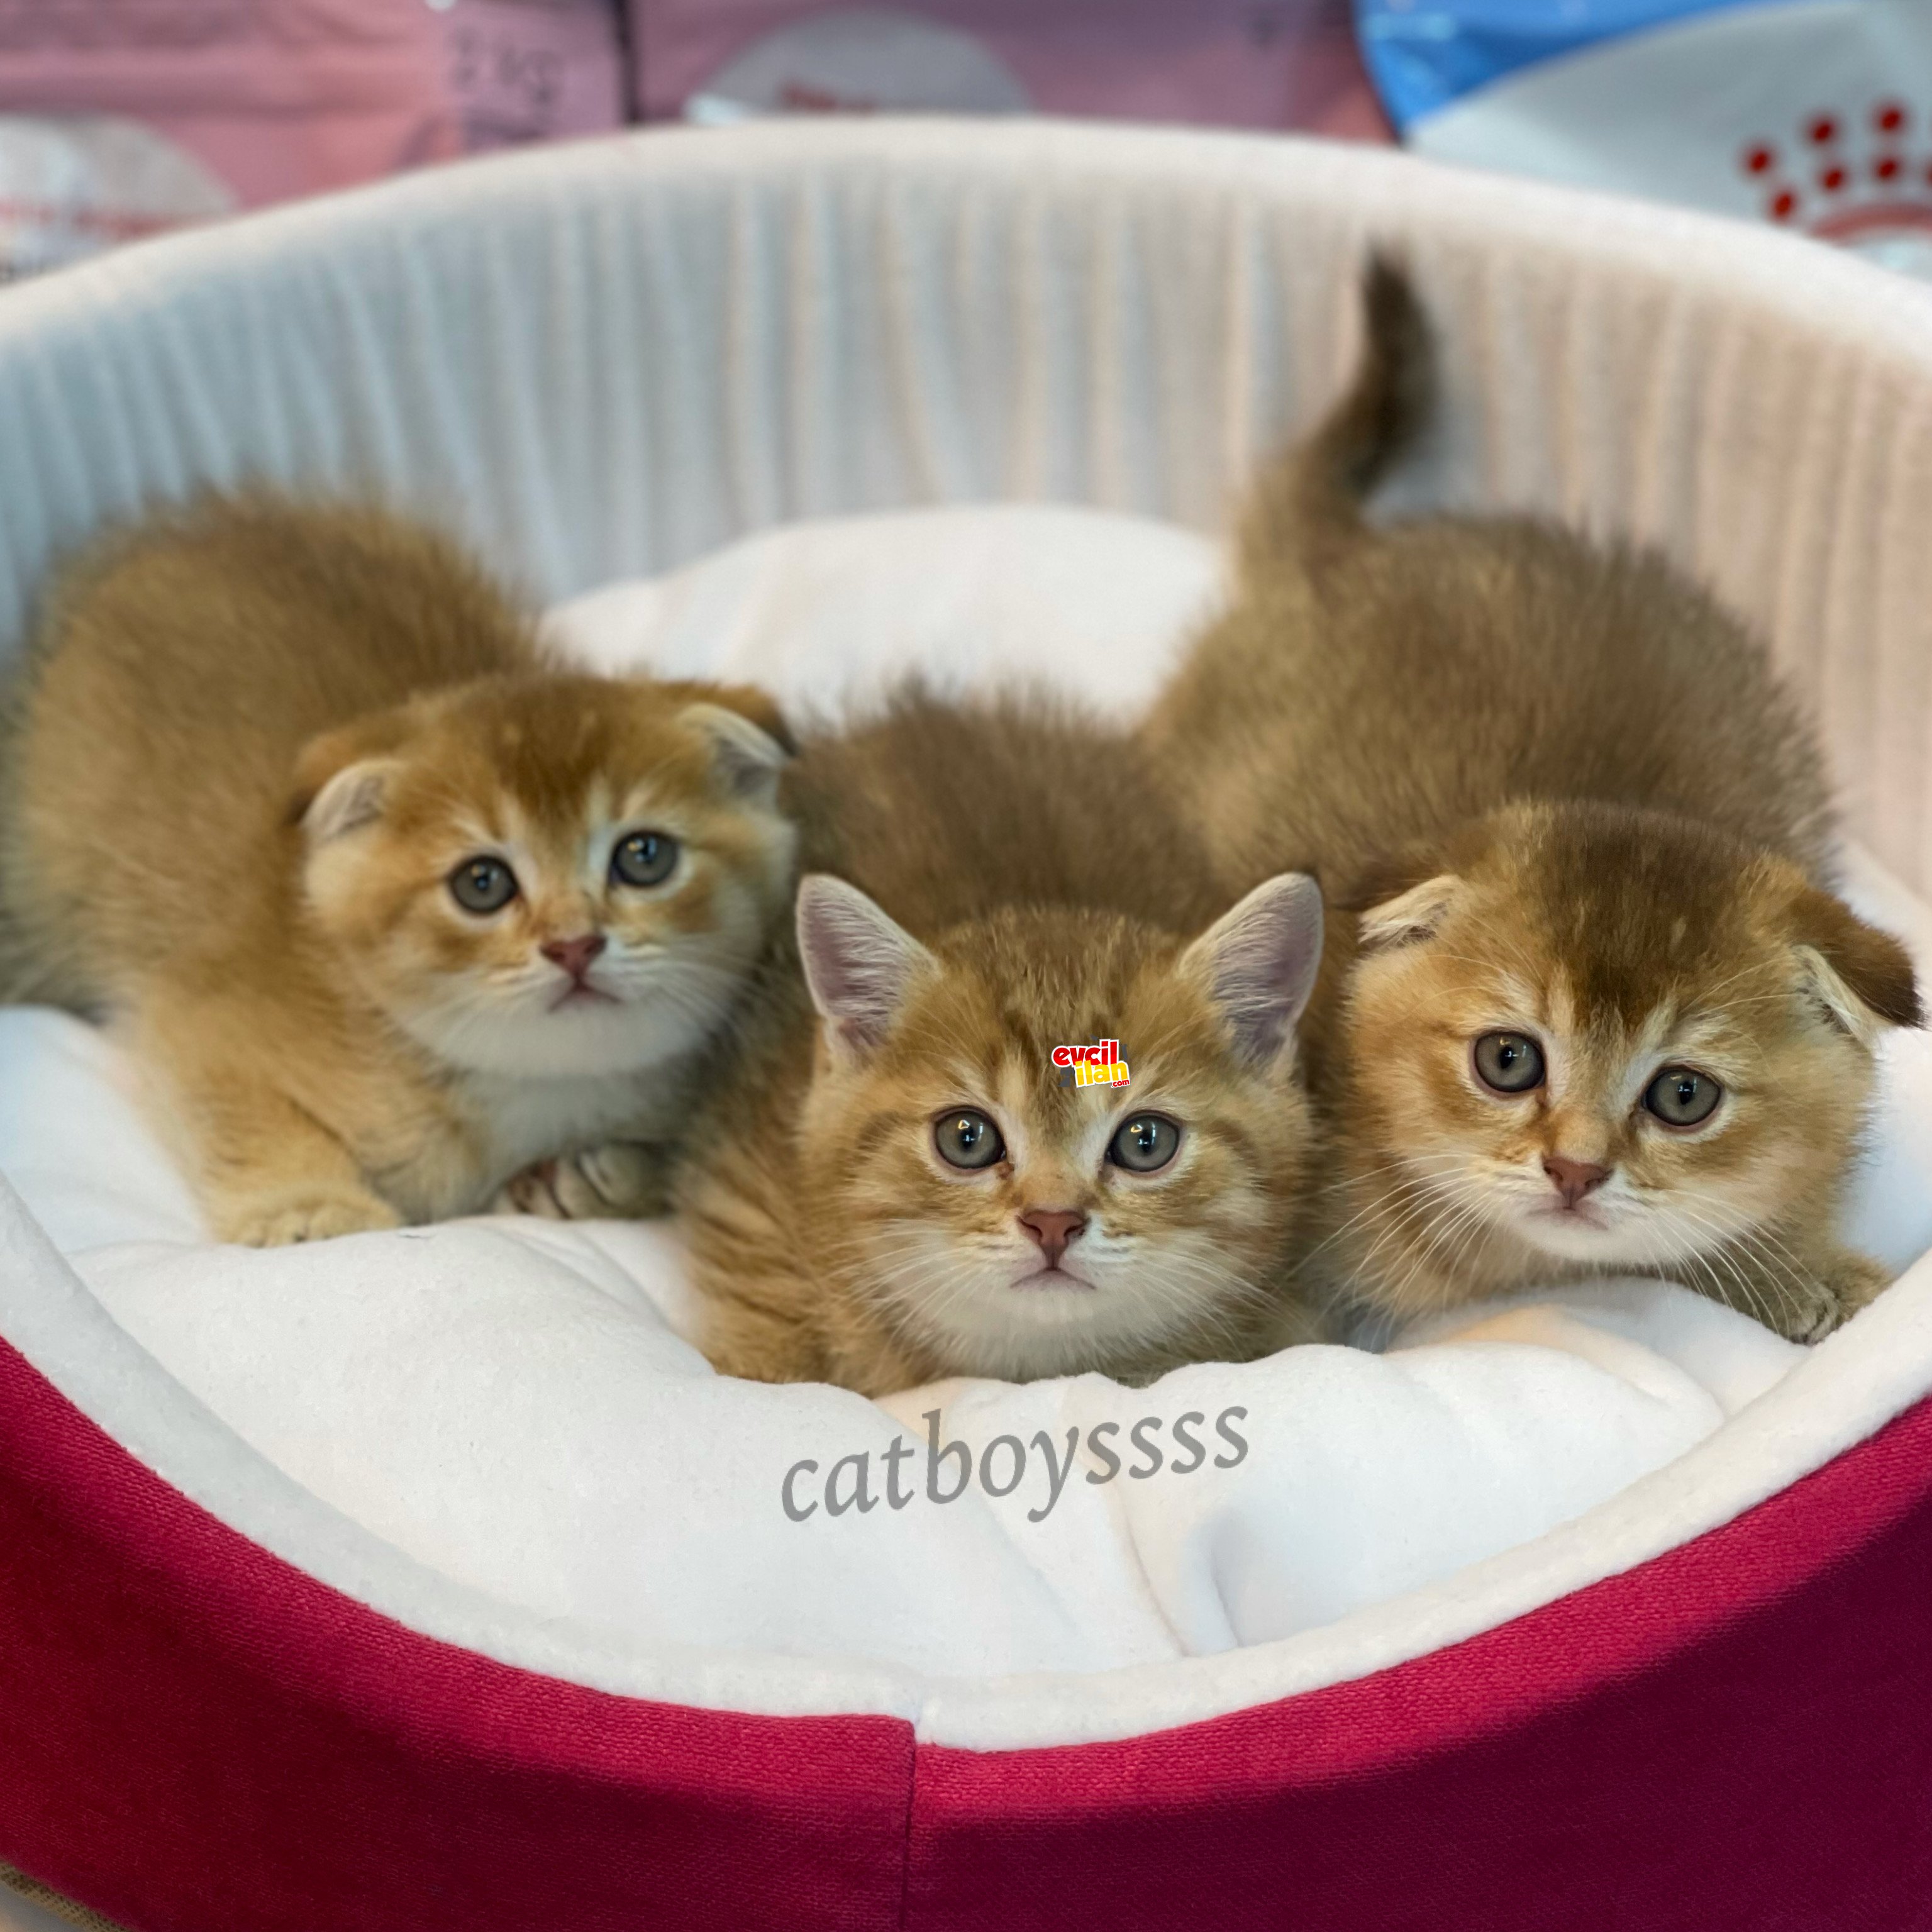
[(893, 1188), (1591, 1005), (385, 907)]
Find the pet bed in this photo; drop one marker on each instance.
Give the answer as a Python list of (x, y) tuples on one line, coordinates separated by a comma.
[(235, 1694)]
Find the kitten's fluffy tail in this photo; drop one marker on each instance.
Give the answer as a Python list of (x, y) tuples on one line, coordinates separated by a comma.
[(1312, 499)]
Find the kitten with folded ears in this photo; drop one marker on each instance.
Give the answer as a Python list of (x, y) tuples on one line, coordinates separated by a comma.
[(1591, 1003), (387, 907), (893, 1186)]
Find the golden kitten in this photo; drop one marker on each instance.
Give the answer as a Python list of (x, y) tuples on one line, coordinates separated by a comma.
[(1591, 1004), (386, 907), (894, 1187)]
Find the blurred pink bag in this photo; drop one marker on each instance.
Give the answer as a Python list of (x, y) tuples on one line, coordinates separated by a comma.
[(1261, 64), (123, 117), (534, 69), (119, 117), (271, 98)]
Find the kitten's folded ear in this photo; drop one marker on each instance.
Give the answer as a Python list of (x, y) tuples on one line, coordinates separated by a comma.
[(859, 963), (1258, 963), (751, 749), (1415, 914), (341, 780), (1863, 977), (759, 707)]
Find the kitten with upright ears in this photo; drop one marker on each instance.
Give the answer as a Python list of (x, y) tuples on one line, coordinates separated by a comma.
[(893, 1187), (387, 908), (1591, 1004)]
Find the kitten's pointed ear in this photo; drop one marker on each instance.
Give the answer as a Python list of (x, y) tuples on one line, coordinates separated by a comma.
[(1258, 963), (1861, 977), (1415, 914), (749, 756), (859, 963)]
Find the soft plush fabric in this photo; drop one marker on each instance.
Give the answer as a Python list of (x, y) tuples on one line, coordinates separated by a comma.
[(511, 1403)]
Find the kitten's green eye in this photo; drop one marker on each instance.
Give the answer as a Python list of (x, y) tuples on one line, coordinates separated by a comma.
[(1681, 1097), (967, 1139), (1509, 1063), (1144, 1145), (483, 885), (643, 859)]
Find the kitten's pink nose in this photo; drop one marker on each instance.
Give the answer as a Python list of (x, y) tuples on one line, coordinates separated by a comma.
[(1573, 1178), (574, 955), (1053, 1228)]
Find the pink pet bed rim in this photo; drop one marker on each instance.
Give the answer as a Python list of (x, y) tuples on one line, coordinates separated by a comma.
[(219, 1740)]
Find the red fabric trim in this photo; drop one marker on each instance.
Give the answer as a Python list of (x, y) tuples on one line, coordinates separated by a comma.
[(1736, 1735), (195, 1737)]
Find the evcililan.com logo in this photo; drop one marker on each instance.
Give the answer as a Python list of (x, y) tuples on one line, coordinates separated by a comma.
[(1098, 1065), (1036, 1473)]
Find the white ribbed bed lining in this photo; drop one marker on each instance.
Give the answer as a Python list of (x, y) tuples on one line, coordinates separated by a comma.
[(602, 361)]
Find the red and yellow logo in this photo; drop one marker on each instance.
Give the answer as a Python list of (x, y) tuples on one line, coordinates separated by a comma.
[(1098, 1065)]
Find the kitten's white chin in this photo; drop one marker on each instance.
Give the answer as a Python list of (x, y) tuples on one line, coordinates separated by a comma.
[(1612, 1234), (1000, 1313), (1567, 1235), (1051, 1279), (581, 1038)]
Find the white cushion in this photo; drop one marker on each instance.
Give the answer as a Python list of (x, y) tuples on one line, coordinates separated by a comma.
[(511, 1403)]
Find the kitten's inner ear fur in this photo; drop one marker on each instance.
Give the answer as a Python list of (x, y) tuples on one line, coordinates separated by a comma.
[(1418, 913), (352, 798), (1861, 977), (1257, 962), (749, 757), (859, 963)]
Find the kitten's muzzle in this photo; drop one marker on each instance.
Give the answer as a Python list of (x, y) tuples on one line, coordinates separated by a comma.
[(1052, 1230), (1573, 1179), (574, 955)]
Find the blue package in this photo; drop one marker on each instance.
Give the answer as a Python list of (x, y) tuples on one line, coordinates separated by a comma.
[(1812, 115), (1422, 54)]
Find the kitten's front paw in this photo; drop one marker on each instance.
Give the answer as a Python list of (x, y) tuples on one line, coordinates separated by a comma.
[(1847, 1282), (630, 1179), (280, 1222), (619, 1180), (533, 1192)]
